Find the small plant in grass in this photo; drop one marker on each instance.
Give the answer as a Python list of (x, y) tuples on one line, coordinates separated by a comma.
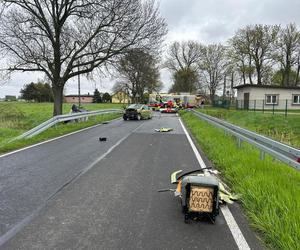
[(269, 189)]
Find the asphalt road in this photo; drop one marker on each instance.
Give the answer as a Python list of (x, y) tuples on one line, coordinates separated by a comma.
[(79, 193)]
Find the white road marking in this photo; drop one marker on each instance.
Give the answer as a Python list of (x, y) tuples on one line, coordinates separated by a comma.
[(233, 226), (56, 138)]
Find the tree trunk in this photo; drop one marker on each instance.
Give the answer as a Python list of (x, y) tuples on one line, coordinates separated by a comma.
[(250, 72), (250, 78), (297, 76), (58, 99), (224, 87), (258, 70), (244, 77), (212, 98), (243, 73), (298, 72), (286, 76), (231, 86), (259, 78)]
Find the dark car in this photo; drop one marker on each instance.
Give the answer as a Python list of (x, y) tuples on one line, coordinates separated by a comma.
[(137, 112)]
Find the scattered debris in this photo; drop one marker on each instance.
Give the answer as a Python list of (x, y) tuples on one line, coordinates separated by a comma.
[(102, 139), (163, 129), (201, 193), (225, 195)]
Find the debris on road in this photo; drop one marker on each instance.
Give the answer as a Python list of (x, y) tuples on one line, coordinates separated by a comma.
[(163, 130), (225, 195), (102, 139), (201, 193)]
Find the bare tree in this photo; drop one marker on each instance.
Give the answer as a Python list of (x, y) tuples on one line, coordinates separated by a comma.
[(66, 38), (182, 60), (138, 73), (255, 43), (183, 55), (213, 67), (287, 46)]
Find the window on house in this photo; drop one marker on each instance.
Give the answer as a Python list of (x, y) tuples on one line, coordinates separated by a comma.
[(296, 99), (271, 99)]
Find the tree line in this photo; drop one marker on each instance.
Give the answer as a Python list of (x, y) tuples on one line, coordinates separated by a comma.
[(256, 54), (37, 92), (42, 92)]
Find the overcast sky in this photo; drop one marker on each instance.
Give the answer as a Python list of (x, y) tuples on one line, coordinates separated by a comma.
[(209, 21)]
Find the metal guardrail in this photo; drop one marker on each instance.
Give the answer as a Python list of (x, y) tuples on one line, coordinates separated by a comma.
[(61, 118), (278, 150)]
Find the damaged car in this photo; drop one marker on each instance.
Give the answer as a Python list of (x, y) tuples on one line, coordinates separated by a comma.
[(137, 112)]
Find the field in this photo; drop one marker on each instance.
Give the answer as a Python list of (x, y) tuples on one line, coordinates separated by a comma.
[(269, 189), (17, 118), (278, 127)]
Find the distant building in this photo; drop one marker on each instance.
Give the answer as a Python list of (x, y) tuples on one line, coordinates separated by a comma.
[(120, 97), (75, 99), (267, 97), (10, 98)]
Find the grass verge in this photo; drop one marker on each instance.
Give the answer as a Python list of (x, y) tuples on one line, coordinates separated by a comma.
[(269, 189), (58, 130), (278, 127)]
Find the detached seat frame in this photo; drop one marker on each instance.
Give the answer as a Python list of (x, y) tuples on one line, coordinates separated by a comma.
[(203, 182)]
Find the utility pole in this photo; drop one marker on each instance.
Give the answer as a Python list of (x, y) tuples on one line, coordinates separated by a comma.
[(79, 97)]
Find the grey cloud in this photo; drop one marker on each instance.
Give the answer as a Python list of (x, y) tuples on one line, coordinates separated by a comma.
[(217, 20)]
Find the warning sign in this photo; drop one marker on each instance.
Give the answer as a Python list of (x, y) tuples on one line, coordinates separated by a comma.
[(201, 199)]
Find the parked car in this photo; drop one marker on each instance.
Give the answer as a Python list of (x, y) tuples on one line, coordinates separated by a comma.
[(137, 112)]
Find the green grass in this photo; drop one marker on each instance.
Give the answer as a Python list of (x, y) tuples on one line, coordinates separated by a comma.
[(17, 118), (269, 189), (278, 127)]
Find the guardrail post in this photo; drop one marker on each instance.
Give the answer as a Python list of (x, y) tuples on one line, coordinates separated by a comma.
[(286, 104), (262, 155), (239, 142)]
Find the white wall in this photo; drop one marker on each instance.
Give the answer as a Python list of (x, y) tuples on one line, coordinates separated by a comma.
[(258, 94)]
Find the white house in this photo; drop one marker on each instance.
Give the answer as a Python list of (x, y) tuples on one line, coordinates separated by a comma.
[(267, 97)]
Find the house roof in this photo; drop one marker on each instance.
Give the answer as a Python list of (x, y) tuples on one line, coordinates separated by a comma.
[(80, 96), (265, 86)]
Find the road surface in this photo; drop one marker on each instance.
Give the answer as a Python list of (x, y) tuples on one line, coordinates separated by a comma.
[(79, 193)]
